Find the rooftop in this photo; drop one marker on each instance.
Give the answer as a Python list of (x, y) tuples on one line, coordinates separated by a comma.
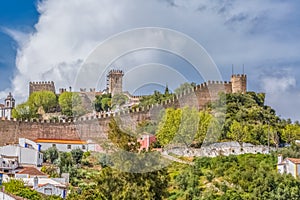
[(294, 160), (32, 171), (60, 141)]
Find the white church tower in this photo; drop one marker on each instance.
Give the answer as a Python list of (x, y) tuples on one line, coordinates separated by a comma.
[(6, 108)]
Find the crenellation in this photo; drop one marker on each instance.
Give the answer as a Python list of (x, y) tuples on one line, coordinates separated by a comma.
[(204, 92)]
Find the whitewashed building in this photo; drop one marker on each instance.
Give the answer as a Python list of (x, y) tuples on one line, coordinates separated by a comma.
[(6, 108), (25, 153), (288, 166), (47, 186), (66, 145)]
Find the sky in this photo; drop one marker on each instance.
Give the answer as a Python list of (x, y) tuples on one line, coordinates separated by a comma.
[(50, 40)]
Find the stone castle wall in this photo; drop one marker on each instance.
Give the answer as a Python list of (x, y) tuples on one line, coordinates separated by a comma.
[(96, 128)]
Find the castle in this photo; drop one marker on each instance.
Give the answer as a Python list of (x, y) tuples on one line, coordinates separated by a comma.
[(209, 90), (96, 126)]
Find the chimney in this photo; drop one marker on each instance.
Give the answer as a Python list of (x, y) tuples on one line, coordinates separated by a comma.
[(280, 158), (35, 182)]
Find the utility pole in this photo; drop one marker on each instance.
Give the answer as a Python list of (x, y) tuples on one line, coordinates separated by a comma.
[(268, 137)]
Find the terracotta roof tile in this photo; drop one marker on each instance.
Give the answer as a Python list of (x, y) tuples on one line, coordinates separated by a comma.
[(60, 141), (294, 160), (32, 171)]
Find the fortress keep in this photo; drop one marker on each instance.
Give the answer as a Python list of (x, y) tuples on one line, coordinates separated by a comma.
[(115, 82), (239, 83), (41, 86)]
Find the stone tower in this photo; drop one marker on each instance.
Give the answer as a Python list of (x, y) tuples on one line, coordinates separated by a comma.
[(41, 86), (239, 83), (115, 82)]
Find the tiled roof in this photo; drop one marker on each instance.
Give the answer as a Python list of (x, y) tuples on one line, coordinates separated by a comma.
[(32, 171), (59, 141), (294, 160)]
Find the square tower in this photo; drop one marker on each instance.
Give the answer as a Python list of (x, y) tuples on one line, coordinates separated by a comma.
[(115, 82), (41, 86), (239, 83)]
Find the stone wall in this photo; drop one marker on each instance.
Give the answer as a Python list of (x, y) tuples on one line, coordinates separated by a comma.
[(96, 127), (41, 86)]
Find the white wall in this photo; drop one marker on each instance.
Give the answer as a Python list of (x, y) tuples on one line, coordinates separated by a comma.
[(25, 155), (52, 189), (4, 196), (63, 147), (280, 169), (24, 141), (291, 167)]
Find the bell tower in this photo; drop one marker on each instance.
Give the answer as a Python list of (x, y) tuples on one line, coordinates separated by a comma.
[(9, 105)]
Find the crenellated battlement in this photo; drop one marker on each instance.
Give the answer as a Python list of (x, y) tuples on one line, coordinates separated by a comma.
[(95, 125), (36, 86), (41, 83), (239, 75)]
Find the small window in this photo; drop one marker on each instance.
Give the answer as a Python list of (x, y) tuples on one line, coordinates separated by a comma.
[(48, 191), (69, 146), (53, 145), (83, 146)]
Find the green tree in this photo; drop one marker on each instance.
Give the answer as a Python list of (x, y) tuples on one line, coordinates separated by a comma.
[(120, 138), (205, 119), (51, 154), (184, 87), (42, 99), (290, 133), (77, 155), (71, 104), (119, 100), (237, 132), (18, 188), (169, 126), (106, 104), (24, 111), (102, 102)]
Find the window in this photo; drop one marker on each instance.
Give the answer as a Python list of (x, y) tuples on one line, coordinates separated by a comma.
[(83, 146), (48, 191), (53, 145), (69, 146)]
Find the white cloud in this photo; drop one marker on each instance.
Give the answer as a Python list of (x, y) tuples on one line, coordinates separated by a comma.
[(234, 31)]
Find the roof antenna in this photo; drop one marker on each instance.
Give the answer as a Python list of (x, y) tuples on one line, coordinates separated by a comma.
[(243, 69), (232, 70)]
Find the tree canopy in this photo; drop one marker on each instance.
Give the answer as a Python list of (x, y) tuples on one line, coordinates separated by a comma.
[(71, 104)]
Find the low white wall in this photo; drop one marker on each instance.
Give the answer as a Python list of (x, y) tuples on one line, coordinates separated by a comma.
[(4, 196)]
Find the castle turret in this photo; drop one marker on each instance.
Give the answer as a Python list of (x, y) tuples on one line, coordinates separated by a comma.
[(239, 83), (115, 82), (41, 86)]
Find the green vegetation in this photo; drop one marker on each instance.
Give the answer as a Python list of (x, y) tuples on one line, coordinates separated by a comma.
[(246, 176), (43, 102), (237, 117), (37, 103), (157, 97), (102, 102), (18, 188), (71, 104), (113, 183)]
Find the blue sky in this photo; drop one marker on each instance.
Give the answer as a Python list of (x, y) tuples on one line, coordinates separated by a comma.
[(50, 39), (19, 15)]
